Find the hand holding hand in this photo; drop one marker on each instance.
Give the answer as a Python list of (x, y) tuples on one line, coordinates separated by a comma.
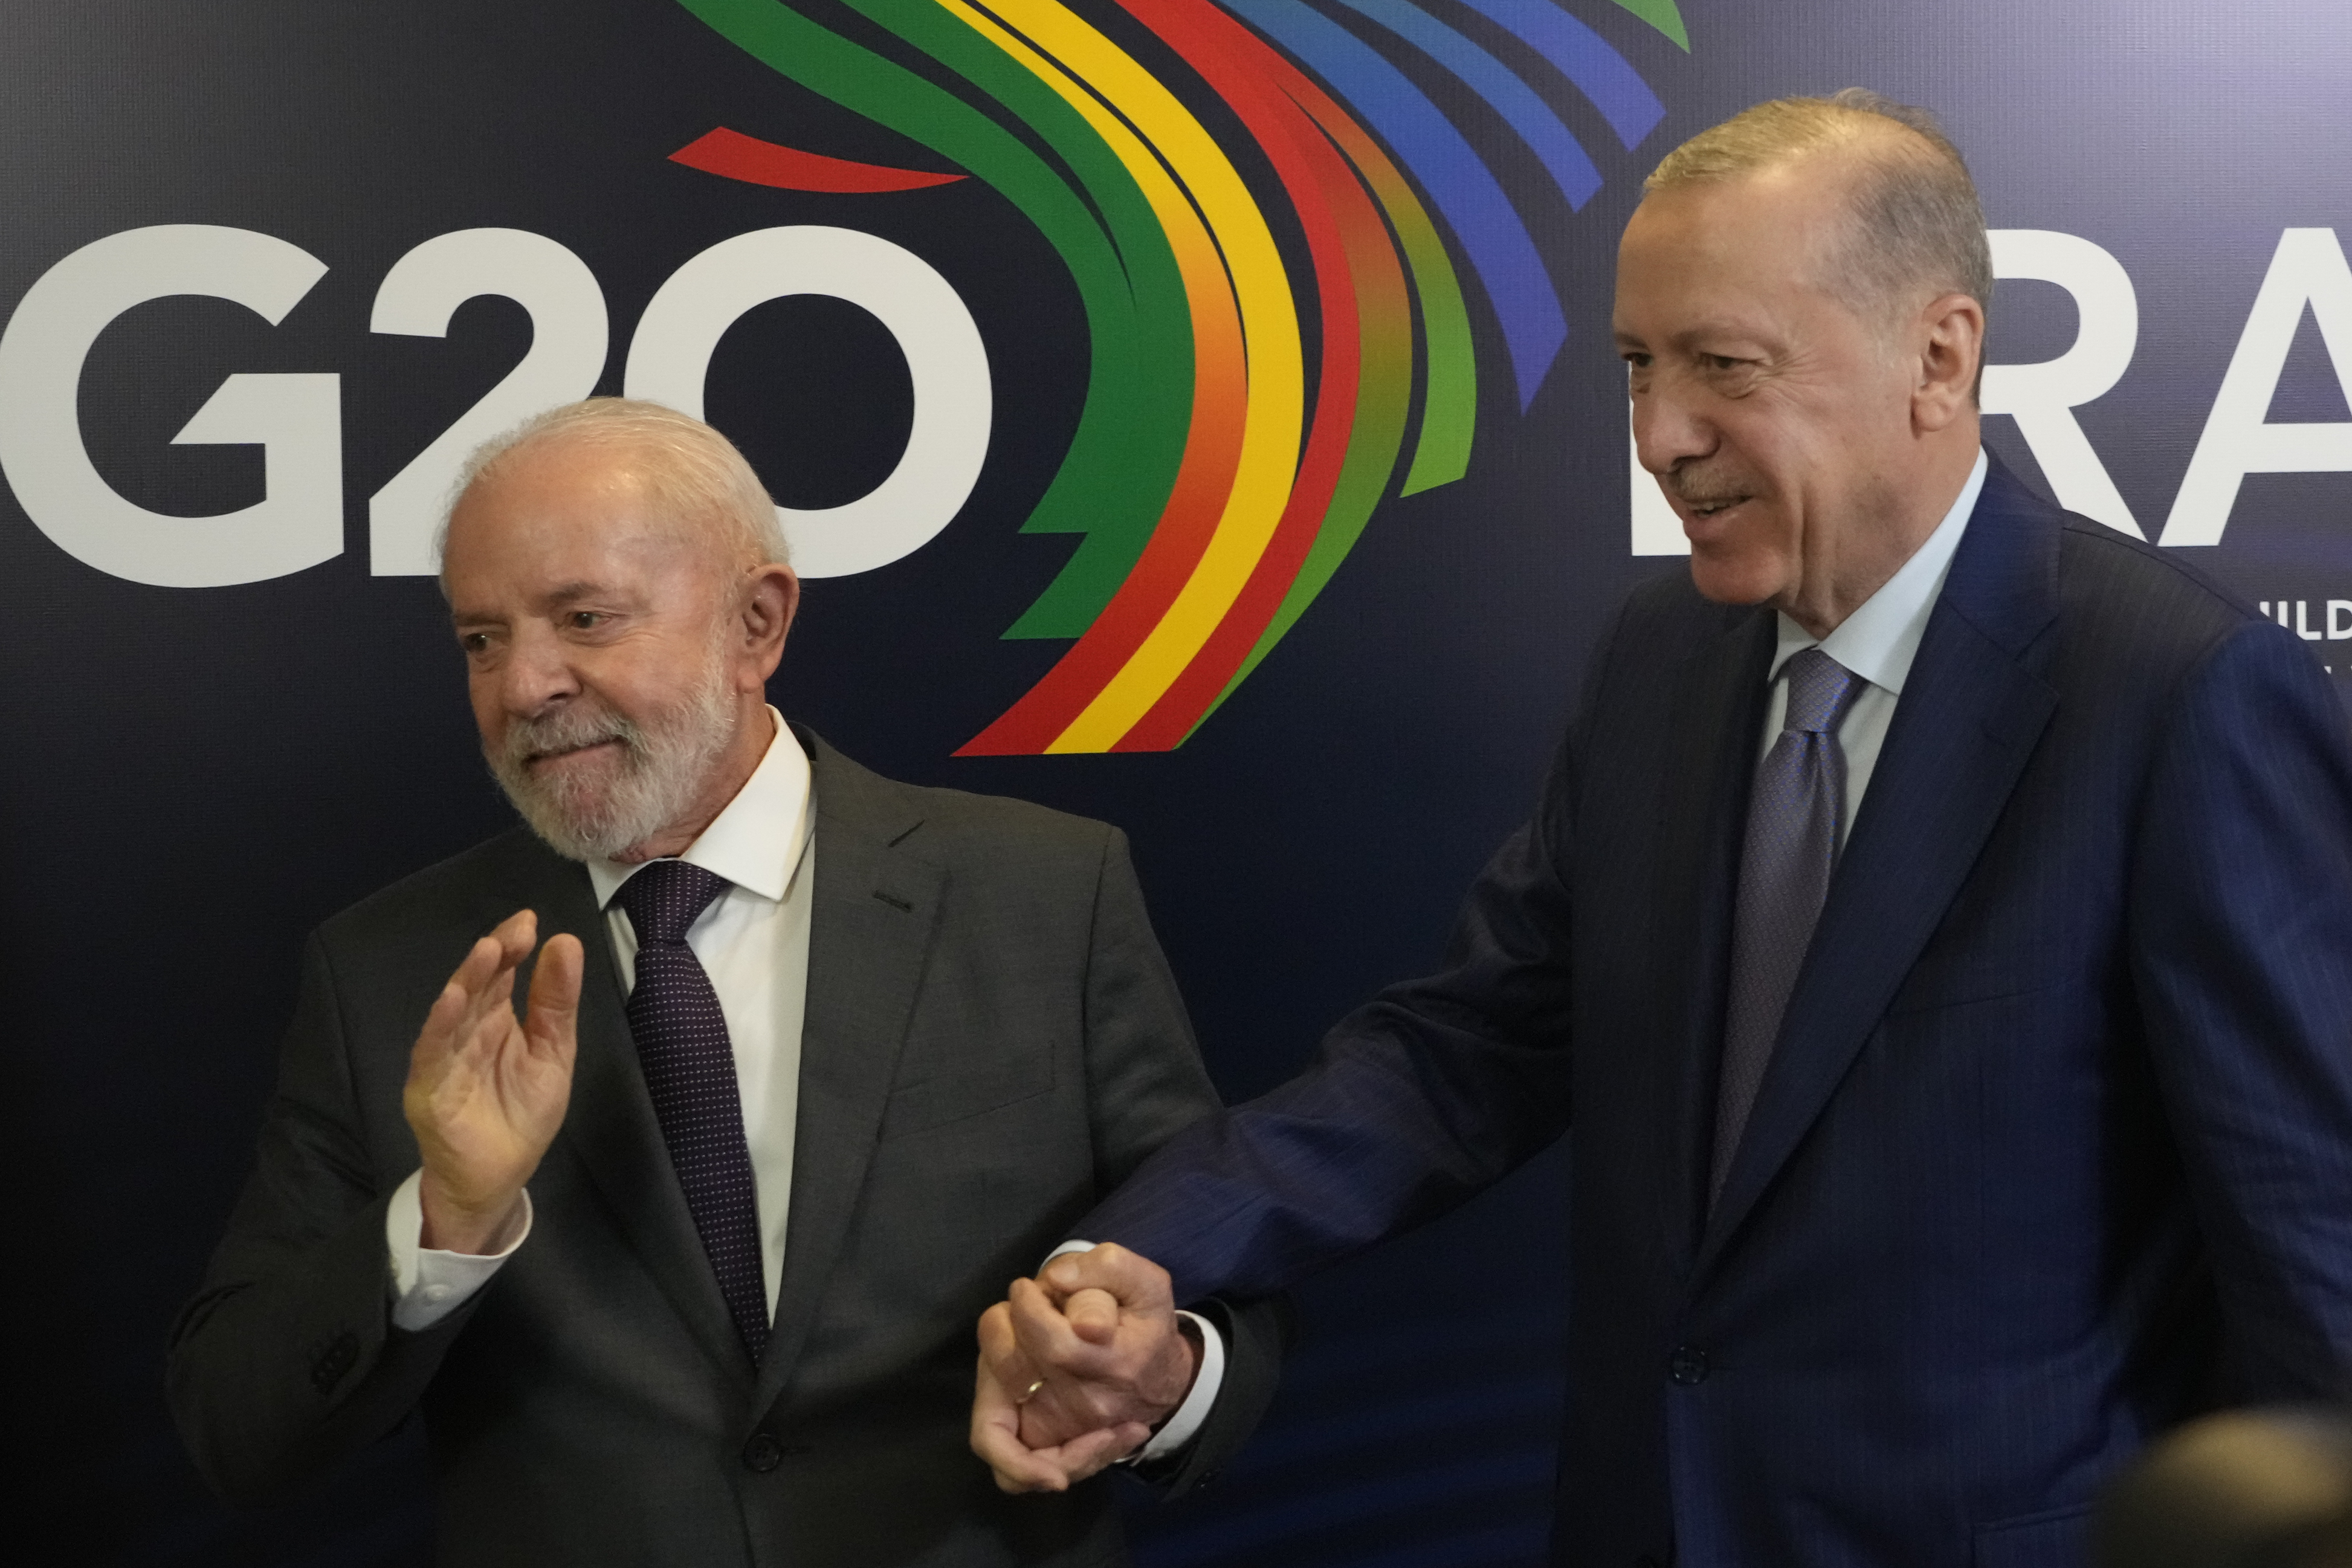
[(485, 1091), (1078, 1366), (1007, 1382)]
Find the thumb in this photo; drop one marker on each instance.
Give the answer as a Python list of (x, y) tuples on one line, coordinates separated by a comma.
[(1094, 1316), (553, 1018)]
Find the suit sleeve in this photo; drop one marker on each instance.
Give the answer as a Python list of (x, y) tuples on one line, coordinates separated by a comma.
[(286, 1360), (1146, 1083), (1431, 1092), (2241, 916)]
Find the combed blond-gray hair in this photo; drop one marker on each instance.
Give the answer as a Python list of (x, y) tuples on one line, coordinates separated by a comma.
[(695, 473), (1918, 229)]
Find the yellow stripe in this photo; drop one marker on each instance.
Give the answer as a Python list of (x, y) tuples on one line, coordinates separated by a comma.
[(1196, 253), (1275, 417)]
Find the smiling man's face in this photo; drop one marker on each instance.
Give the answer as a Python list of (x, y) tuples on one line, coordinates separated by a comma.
[(600, 649), (1776, 414)]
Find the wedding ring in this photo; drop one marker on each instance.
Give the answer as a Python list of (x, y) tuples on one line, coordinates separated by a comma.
[(1030, 1393)]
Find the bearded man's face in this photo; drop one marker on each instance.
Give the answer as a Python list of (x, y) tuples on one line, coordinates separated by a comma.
[(597, 638)]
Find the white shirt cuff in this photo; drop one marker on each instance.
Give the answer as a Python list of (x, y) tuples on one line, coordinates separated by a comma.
[(1180, 1426), (427, 1283), (1179, 1429)]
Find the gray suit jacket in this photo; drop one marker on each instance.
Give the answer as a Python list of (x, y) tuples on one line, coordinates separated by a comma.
[(993, 1041)]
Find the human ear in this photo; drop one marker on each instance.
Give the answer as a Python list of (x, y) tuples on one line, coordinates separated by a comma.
[(771, 597), (1950, 339)]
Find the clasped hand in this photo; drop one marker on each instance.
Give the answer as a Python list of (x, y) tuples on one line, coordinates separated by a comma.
[(1076, 1367)]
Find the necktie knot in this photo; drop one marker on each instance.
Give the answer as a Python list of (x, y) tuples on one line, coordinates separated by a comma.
[(666, 898), (1820, 688)]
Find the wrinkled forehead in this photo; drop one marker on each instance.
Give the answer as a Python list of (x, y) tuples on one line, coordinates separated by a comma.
[(570, 513)]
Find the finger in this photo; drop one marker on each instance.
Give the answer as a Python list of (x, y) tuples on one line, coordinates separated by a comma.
[(516, 936), (476, 978), (1061, 1411), (1137, 1282), (473, 972), (553, 1019), (509, 944), (1016, 1469), (1092, 1315), (995, 1438), (439, 1036), (999, 1350), (1046, 1338)]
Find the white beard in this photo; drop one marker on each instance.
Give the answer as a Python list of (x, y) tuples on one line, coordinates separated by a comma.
[(662, 766)]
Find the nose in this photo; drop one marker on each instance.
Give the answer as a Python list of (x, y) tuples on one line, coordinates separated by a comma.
[(536, 674), (1667, 431)]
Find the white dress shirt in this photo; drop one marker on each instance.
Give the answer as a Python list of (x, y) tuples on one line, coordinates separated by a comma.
[(753, 943), (1877, 642)]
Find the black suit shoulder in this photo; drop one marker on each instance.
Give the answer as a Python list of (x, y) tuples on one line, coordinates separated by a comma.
[(953, 828), (514, 858)]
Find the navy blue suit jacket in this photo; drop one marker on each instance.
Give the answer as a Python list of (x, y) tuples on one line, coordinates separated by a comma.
[(2056, 1146)]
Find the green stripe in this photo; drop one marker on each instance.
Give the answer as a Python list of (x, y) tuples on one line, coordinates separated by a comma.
[(1449, 406), (1663, 15), (1115, 479)]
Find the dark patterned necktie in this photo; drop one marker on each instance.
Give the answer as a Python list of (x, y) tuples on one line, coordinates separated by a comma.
[(689, 1069), (1784, 876)]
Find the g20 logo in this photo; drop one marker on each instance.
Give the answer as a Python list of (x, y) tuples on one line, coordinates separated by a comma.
[(1270, 357), (297, 418)]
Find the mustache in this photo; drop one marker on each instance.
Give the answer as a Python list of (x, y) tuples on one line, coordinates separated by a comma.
[(1698, 491), (569, 728)]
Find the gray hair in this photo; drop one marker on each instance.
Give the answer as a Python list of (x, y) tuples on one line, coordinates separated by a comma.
[(695, 473), (1916, 223)]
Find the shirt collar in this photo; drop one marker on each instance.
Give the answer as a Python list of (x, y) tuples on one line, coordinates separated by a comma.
[(1881, 638), (756, 843)]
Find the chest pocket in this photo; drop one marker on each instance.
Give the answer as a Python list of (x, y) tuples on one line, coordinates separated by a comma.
[(954, 1080)]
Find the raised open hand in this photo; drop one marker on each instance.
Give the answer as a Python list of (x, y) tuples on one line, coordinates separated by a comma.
[(485, 1090)]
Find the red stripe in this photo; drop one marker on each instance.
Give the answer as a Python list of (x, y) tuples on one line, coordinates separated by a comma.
[(1331, 207), (1203, 483), (736, 156), (1196, 502)]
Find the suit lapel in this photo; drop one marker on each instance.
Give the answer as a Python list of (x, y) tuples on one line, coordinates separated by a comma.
[(1716, 721), (1972, 709), (876, 906)]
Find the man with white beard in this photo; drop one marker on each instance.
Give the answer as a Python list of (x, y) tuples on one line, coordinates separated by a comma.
[(678, 1261)]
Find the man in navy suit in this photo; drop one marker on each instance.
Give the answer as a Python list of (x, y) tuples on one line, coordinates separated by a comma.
[(1936, 927)]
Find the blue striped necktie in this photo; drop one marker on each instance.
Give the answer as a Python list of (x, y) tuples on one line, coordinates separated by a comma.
[(1785, 862), (689, 1067)]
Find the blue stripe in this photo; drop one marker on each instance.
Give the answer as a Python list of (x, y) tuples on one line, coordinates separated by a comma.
[(1584, 58), (1456, 183), (1516, 101)]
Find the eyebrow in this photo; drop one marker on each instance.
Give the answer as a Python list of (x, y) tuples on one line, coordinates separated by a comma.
[(556, 598)]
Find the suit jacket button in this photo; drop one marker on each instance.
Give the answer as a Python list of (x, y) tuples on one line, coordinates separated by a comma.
[(1687, 1365), (763, 1453), (329, 1362)]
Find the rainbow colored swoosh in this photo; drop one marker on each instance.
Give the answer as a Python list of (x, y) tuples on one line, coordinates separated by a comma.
[(1217, 476)]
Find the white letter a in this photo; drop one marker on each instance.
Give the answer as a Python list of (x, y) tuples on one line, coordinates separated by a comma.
[(2308, 268)]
